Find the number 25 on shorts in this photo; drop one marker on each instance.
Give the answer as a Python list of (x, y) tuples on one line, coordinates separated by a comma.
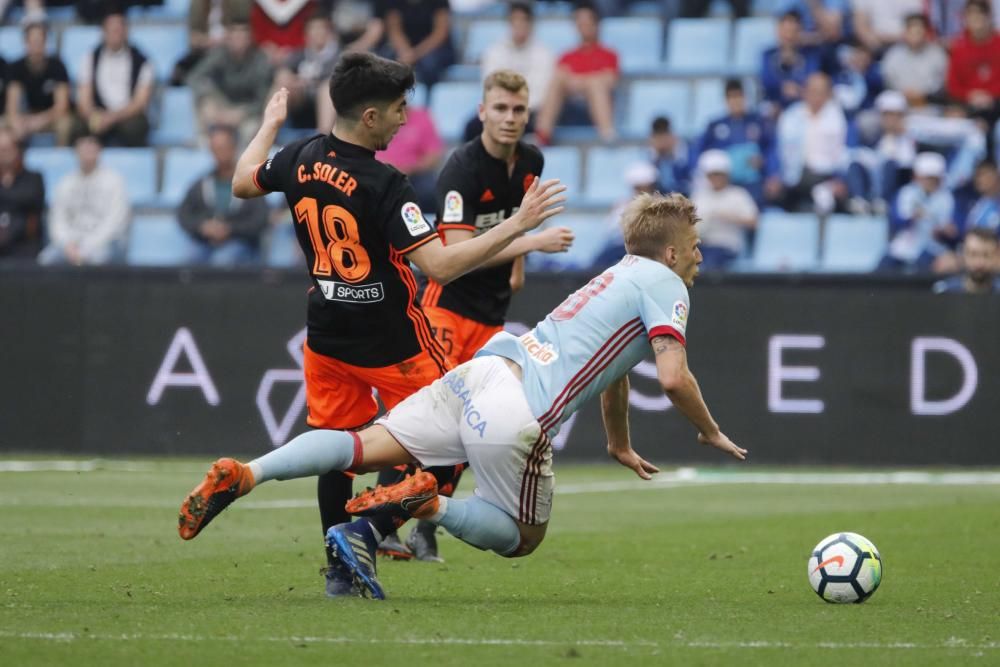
[(343, 251)]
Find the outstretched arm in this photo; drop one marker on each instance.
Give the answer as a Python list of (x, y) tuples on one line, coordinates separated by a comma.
[(614, 410), (256, 152), (683, 391)]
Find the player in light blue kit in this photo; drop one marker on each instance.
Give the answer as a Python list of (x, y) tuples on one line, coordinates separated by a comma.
[(500, 410)]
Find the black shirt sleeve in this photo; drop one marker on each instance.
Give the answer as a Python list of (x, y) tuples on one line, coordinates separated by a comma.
[(403, 222), (276, 173), (457, 194)]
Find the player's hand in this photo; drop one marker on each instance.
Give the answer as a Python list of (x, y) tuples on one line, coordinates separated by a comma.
[(541, 202), (630, 459), (277, 109), (722, 442), (554, 239)]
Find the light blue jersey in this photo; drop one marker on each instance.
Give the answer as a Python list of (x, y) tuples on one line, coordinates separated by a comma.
[(595, 337)]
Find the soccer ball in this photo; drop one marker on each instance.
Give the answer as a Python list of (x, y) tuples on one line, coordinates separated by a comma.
[(845, 567)]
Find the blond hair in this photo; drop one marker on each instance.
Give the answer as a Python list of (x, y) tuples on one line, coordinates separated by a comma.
[(651, 222), (507, 79)]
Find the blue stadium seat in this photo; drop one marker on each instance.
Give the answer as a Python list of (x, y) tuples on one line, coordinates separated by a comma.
[(138, 167), (164, 45), (559, 35), (178, 122), (482, 35), (181, 166), (158, 240), (605, 183), (649, 99), (697, 46), (76, 41), (452, 105), (638, 41), (283, 250), (786, 242), (753, 35), (54, 164), (563, 162), (12, 42), (418, 98), (709, 103), (591, 232), (854, 243)]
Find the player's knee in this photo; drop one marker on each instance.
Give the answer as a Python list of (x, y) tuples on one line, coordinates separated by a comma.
[(531, 537)]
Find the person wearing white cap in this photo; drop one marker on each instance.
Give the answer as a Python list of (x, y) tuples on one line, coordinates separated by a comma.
[(873, 179), (925, 210), (727, 212)]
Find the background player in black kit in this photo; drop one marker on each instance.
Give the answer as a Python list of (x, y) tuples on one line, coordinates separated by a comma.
[(481, 185), (359, 227)]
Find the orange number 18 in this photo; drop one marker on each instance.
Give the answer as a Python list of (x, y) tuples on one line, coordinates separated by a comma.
[(344, 251)]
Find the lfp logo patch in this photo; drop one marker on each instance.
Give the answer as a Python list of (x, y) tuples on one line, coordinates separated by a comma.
[(414, 219), (679, 318), (452, 207)]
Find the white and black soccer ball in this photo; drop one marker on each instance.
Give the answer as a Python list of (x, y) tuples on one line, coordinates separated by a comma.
[(845, 567)]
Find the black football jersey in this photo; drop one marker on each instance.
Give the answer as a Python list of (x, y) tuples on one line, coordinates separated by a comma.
[(356, 219), (475, 192)]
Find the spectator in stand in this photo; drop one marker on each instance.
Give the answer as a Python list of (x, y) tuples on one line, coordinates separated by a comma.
[(822, 20), (947, 18), (974, 72), (728, 212), (669, 156), (306, 73), (3, 79), (590, 71), (206, 21), (923, 220), (744, 136), (878, 24), (226, 229), (22, 200), (985, 213), (522, 53), (115, 87), (809, 159), (279, 26), (981, 260), (875, 174), (38, 91), (232, 83), (360, 24), (416, 150), (785, 67), (90, 212), (857, 80), (419, 33), (696, 9), (916, 66)]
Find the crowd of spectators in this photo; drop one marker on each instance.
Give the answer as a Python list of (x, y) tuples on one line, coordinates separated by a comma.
[(865, 107)]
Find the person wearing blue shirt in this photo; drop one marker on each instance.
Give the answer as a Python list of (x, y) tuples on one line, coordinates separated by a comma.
[(924, 209), (785, 67), (669, 155), (745, 137), (822, 21)]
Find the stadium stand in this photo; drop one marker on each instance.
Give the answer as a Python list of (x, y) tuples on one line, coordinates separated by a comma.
[(698, 46), (157, 240), (853, 243), (181, 166), (786, 242)]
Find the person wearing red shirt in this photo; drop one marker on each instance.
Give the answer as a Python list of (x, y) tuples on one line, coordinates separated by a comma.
[(589, 71), (974, 71), (279, 26)]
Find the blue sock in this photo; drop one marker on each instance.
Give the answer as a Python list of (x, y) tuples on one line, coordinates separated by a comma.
[(476, 522), (307, 455)]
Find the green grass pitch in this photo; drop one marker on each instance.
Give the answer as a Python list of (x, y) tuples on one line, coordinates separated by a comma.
[(700, 573)]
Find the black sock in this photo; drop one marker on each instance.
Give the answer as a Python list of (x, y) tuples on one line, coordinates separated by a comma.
[(333, 490)]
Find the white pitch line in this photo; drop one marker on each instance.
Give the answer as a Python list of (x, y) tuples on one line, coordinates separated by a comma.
[(65, 637)]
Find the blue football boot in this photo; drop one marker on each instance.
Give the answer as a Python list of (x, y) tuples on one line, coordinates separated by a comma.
[(354, 546)]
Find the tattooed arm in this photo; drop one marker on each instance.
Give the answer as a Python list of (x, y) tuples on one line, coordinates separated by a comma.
[(683, 391)]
